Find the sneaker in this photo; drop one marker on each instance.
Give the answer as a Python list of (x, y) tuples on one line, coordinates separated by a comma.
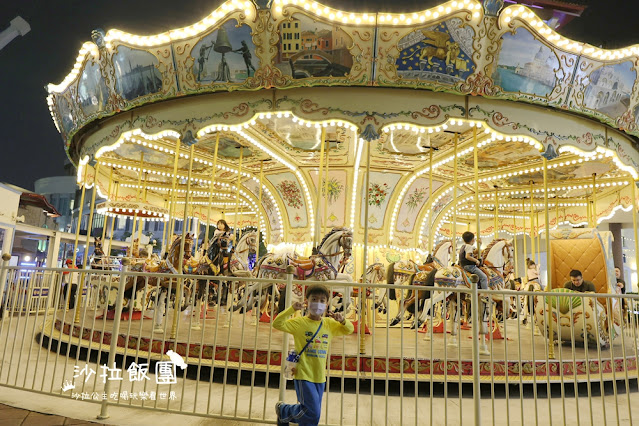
[(277, 413)]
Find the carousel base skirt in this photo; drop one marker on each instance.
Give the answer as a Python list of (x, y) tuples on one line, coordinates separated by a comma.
[(247, 343)]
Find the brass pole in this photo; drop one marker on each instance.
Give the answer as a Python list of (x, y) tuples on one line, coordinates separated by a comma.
[(213, 172), (108, 198), (551, 344), (237, 197), (362, 292), (113, 218), (523, 212), (86, 245), (77, 228), (89, 224), (588, 211), (515, 244), (557, 211), (326, 227), (476, 170), (496, 213), (141, 219), (430, 196), (164, 229), (171, 222), (634, 220), (135, 213), (316, 236), (259, 212), (532, 225), (594, 200), (454, 227), (180, 267)]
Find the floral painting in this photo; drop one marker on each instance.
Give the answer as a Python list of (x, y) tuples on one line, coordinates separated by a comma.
[(380, 190), (336, 198), (377, 193), (334, 189), (413, 202), (291, 193), (416, 198)]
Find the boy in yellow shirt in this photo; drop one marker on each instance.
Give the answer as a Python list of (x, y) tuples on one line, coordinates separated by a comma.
[(310, 374)]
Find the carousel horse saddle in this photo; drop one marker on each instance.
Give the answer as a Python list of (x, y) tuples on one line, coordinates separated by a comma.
[(305, 264)]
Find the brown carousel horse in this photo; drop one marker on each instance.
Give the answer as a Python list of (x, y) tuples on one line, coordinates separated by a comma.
[(170, 267), (410, 273), (219, 262)]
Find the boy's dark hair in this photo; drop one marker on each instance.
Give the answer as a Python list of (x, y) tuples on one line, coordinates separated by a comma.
[(575, 273), (468, 237), (317, 289)]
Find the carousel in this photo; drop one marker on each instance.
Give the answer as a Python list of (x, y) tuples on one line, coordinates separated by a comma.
[(359, 147)]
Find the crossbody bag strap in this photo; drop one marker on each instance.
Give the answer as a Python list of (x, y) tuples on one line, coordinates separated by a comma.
[(309, 342)]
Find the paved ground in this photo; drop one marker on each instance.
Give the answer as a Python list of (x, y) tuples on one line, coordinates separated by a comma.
[(11, 416)]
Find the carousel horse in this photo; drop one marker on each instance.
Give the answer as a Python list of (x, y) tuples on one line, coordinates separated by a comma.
[(235, 264), (170, 267), (596, 320), (374, 274), (497, 261), (326, 264), (405, 272), (99, 260)]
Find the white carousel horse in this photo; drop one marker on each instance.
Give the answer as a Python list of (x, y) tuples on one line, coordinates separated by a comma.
[(497, 260), (325, 264), (403, 273)]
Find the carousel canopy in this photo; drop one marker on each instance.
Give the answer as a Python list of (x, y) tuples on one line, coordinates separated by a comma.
[(302, 117)]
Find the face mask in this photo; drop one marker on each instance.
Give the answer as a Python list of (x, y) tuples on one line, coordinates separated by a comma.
[(317, 308)]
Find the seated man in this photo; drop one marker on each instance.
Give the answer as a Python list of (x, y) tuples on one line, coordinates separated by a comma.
[(577, 283)]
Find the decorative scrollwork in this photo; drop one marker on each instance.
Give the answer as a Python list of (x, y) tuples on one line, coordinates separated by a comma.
[(479, 84), (309, 107), (238, 111), (431, 112), (388, 36)]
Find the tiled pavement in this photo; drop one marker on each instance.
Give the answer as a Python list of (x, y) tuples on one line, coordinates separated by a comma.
[(11, 416)]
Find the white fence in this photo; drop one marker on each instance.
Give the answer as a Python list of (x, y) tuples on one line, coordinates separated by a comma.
[(501, 373)]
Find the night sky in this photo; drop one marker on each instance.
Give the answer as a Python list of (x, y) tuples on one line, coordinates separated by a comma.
[(31, 146)]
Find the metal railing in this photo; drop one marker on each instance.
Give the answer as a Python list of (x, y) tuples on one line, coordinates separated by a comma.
[(102, 349)]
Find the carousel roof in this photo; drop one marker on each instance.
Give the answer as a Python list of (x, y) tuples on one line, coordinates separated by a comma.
[(514, 100)]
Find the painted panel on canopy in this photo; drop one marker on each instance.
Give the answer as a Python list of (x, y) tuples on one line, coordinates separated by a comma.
[(290, 190), (413, 201), (439, 53), (92, 90), (525, 65), (380, 190), (609, 89), (136, 73), (65, 114), (267, 205), (336, 196), (498, 155), (568, 173), (309, 48), (227, 55)]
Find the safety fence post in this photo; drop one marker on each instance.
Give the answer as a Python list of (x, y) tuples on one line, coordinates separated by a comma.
[(477, 321), (114, 334), (285, 338)]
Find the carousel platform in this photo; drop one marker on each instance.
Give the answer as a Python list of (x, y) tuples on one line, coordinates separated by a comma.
[(390, 354)]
